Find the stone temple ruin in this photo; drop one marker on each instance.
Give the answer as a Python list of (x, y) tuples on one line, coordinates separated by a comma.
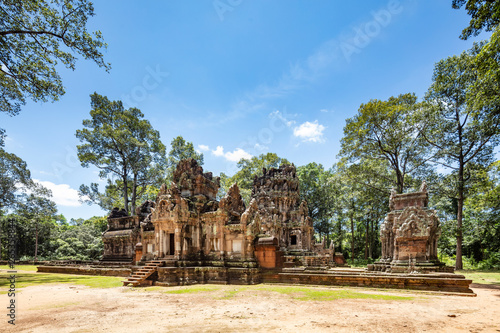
[(409, 235), (187, 236), (194, 237)]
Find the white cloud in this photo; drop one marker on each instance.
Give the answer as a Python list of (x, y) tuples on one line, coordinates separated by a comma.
[(234, 156), (237, 155), (310, 132), (203, 147), (283, 117), (260, 147), (219, 151), (62, 194)]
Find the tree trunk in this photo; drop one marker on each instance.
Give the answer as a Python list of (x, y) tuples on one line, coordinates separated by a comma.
[(36, 241), (370, 249), (460, 205), (460, 199), (125, 190), (399, 180), (134, 194), (366, 238), (352, 237), (339, 245)]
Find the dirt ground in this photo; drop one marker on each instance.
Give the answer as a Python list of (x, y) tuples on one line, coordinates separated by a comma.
[(77, 308)]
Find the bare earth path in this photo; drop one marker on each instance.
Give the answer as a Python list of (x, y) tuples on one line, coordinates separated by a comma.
[(77, 308)]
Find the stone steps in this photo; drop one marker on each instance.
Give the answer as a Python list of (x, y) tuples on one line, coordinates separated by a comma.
[(138, 277)]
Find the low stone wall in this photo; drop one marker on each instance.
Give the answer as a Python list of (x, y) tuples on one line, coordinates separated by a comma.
[(24, 262), (179, 276), (435, 282), (83, 270)]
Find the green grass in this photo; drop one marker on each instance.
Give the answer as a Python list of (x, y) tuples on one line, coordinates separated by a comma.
[(300, 293), (320, 294), (28, 268), (310, 293), (31, 279), (482, 277)]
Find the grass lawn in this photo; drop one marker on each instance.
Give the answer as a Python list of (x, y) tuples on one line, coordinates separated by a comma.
[(301, 293), (25, 278), (29, 268), (482, 277)]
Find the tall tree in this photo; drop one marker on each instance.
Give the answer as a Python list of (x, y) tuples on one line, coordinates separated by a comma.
[(38, 211), (37, 35), (316, 188), (485, 14), (460, 135), (385, 130), (120, 143)]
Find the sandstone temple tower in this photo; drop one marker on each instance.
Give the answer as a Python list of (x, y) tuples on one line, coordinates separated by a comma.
[(409, 235)]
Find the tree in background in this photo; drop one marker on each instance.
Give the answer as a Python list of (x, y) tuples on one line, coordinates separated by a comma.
[(385, 130), (361, 202), (121, 144), (249, 168), (36, 36), (14, 174), (460, 135), (180, 150), (316, 189), (485, 14), (38, 212), (482, 212), (483, 94)]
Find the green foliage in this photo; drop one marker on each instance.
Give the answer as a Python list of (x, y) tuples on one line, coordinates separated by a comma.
[(485, 14), (80, 240), (462, 137), (37, 36), (122, 144), (483, 94), (316, 188), (249, 169), (180, 150), (385, 130), (13, 173)]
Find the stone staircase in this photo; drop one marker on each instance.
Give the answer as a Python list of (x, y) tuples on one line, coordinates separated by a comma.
[(143, 273)]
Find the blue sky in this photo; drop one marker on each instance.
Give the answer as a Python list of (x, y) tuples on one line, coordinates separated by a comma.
[(238, 78)]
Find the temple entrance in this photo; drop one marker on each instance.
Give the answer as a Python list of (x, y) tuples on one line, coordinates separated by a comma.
[(172, 244)]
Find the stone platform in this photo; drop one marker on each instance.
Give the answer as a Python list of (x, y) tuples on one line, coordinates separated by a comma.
[(179, 276), (443, 282)]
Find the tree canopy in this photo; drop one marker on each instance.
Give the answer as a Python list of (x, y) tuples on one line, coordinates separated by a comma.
[(386, 130), (121, 144), (35, 37), (461, 136), (249, 168), (485, 14)]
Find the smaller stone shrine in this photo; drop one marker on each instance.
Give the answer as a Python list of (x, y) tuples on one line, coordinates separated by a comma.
[(409, 236), (120, 238)]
